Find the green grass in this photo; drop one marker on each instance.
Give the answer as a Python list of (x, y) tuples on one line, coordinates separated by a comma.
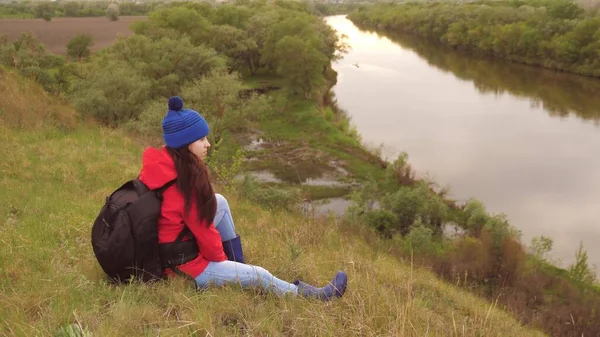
[(305, 142), (262, 80), (54, 182)]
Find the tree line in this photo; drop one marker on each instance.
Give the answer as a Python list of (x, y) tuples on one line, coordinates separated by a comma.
[(556, 34), (49, 9), (178, 44)]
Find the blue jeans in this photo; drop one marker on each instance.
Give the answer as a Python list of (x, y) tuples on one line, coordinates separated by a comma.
[(229, 272)]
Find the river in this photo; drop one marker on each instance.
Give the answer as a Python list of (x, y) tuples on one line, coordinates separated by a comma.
[(523, 140)]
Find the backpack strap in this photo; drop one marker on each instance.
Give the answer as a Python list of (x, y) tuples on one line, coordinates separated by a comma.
[(185, 231), (164, 187)]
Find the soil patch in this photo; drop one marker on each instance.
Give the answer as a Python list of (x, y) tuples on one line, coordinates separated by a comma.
[(56, 33)]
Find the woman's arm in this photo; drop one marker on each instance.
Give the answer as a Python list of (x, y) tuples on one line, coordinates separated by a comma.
[(208, 238)]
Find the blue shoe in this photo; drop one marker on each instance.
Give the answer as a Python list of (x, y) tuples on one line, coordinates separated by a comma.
[(335, 288), (233, 249)]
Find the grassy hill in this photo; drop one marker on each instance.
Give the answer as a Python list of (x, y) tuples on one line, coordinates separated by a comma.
[(56, 172)]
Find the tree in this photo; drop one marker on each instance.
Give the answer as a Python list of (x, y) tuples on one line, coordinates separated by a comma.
[(167, 63), (112, 12), (301, 64), (114, 96), (44, 11), (79, 46), (237, 46), (217, 96), (71, 9), (184, 21), (31, 58), (580, 270), (540, 247)]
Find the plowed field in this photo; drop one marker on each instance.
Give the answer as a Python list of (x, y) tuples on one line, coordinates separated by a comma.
[(56, 33)]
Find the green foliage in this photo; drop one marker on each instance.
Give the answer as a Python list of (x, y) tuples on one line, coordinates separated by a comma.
[(240, 49), (291, 43), (79, 46), (147, 125), (580, 270), (400, 170), (218, 97), (48, 10), (540, 247), (166, 63), (112, 12), (44, 10), (185, 21), (114, 96), (31, 59), (420, 238), (383, 221), (301, 64), (412, 203), (226, 171), (552, 34)]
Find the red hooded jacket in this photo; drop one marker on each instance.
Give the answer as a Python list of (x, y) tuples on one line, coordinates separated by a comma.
[(157, 169)]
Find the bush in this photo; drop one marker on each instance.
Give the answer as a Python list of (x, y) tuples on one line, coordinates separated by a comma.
[(400, 170), (148, 123), (217, 97), (580, 270), (79, 46), (385, 222), (112, 12), (167, 63), (411, 203), (420, 238), (112, 97), (31, 58)]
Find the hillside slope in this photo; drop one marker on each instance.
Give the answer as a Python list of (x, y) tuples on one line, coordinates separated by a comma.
[(53, 182)]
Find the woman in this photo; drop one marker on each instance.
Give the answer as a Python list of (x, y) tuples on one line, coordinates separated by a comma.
[(197, 219)]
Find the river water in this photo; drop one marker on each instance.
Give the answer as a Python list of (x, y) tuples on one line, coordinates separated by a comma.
[(523, 140)]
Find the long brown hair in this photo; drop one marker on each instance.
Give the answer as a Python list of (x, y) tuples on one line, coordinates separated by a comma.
[(194, 183)]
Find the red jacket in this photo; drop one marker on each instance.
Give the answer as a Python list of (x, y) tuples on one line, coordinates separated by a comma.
[(157, 169)]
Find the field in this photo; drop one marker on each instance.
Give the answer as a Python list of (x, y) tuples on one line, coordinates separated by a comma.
[(56, 33)]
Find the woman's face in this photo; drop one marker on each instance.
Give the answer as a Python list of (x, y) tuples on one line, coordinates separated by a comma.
[(200, 148)]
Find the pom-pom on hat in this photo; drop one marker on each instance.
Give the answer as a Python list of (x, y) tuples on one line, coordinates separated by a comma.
[(182, 127)]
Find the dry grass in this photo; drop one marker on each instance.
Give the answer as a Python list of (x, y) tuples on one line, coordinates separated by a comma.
[(34, 109)]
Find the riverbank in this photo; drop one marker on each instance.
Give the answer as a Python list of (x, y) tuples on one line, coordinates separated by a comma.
[(519, 138), (467, 140), (557, 35)]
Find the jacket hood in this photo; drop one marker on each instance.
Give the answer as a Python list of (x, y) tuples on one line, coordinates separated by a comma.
[(158, 167)]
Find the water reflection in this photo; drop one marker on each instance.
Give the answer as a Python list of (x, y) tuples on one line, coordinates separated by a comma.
[(558, 93), (483, 129)]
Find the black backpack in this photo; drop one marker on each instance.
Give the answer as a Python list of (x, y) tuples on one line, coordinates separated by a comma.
[(125, 236)]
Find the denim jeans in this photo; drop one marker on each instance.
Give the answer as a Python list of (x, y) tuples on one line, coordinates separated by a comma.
[(223, 220), (229, 272)]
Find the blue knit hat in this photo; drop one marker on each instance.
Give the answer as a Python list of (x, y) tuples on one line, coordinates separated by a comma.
[(182, 127)]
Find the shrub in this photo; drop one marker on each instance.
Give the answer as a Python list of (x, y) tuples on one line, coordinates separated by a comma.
[(112, 12), (420, 238), (385, 222), (148, 122), (112, 97), (79, 46), (410, 203)]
